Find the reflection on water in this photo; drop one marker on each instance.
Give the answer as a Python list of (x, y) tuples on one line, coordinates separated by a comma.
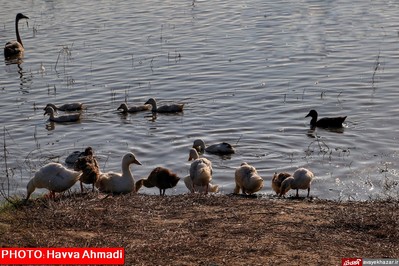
[(248, 73)]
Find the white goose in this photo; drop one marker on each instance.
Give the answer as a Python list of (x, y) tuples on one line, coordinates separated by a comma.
[(200, 171), (53, 176), (62, 118), (300, 179), (66, 107), (222, 148), (15, 48), (247, 179), (119, 182)]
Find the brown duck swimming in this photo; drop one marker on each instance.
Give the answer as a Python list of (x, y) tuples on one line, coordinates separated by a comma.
[(66, 107), (62, 118), (161, 178), (326, 122), (133, 109), (15, 48), (169, 108)]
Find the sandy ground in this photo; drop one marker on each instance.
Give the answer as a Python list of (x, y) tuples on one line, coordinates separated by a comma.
[(196, 229)]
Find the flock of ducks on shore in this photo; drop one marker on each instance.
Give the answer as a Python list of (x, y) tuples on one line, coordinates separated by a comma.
[(57, 178)]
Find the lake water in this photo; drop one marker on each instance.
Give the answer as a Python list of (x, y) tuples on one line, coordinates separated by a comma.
[(248, 71)]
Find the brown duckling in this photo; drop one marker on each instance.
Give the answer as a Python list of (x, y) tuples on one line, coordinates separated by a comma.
[(161, 178), (278, 178), (89, 167)]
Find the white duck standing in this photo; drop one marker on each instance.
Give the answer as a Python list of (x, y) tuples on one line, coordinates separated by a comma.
[(119, 182), (200, 171), (300, 179), (222, 148), (247, 179), (53, 176), (62, 118)]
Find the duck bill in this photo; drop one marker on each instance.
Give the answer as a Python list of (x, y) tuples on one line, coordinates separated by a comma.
[(25, 17), (137, 162)]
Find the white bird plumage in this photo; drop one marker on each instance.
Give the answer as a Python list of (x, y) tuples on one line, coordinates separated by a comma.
[(300, 179), (200, 171), (247, 179), (189, 184), (53, 176), (119, 182)]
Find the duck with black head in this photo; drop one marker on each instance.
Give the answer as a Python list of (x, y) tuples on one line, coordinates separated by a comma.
[(15, 48), (325, 122)]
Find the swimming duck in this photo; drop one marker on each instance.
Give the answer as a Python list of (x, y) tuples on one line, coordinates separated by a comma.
[(89, 167), (62, 118), (189, 184), (200, 171), (326, 122), (247, 179), (53, 176), (15, 48), (300, 179), (169, 108), (133, 109), (277, 179), (222, 148), (66, 107), (161, 178), (119, 182)]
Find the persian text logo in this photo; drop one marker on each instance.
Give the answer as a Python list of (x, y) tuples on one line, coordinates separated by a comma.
[(352, 262)]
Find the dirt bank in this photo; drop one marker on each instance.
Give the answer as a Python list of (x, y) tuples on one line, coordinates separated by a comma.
[(208, 229)]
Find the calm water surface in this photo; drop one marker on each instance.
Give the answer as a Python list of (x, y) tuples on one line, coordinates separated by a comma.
[(248, 71)]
